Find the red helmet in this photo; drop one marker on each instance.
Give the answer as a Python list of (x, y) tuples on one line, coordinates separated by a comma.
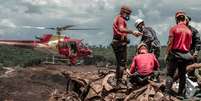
[(179, 13), (126, 9)]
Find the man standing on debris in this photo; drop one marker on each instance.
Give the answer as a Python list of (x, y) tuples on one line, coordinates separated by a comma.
[(196, 42), (120, 41), (149, 37), (144, 65), (178, 53)]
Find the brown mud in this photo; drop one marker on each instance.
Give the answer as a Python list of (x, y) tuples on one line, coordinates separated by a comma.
[(35, 83), (51, 83)]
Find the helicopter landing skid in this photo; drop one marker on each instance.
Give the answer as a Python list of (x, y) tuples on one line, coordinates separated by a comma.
[(56, 60)]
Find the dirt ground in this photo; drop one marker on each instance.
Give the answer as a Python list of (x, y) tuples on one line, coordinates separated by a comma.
[(38, 83), (35, 83)]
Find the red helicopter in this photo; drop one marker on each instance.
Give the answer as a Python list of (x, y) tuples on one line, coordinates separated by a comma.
[(60, 45)]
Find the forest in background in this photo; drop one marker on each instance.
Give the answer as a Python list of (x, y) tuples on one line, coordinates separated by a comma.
[(15, 56)]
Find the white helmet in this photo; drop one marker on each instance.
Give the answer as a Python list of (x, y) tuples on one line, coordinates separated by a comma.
[(137, 22)]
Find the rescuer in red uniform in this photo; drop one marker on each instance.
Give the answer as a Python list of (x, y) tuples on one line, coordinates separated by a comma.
[(144, 65), (120, 41), (178, 52)]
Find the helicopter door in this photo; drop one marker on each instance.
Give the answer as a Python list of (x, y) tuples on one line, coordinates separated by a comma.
[(63, 48), (82, 48), (73, 48)]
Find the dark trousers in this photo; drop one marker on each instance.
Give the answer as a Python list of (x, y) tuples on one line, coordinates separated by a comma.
[(120, 51), (138, 79), (155, 50), (173, 64)]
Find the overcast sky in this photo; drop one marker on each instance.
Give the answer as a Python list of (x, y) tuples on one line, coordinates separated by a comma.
[(158, 14)]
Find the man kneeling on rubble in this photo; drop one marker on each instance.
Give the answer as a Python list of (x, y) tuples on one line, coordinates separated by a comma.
[(143, 68)]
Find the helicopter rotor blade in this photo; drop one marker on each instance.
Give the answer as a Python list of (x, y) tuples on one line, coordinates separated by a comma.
[(83, 29), (51, 28), (60, 28), (30, 27), (66, 27)]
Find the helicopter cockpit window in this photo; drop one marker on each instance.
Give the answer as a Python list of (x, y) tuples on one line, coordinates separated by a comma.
[(63, 45), (81, 45), (73, 47)]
